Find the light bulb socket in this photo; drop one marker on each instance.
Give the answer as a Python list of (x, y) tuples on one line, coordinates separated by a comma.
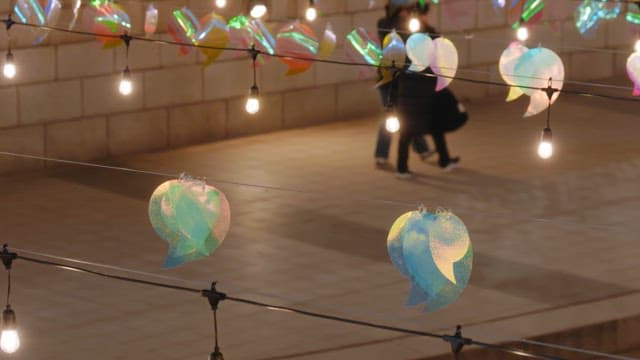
[(254, 91), (216, 354), (9, 58), (126, 73), (8, 319), (546, 135)]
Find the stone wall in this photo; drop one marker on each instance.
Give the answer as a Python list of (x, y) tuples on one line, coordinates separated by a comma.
[(64, 101)]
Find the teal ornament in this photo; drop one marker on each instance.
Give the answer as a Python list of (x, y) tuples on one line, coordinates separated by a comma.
[(434, 251), (191, 216)]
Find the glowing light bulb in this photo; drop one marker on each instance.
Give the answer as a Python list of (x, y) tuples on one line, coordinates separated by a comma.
[(391, 123), (258, 10), (637, 46), (9, 70), (221, 3), (545, 149), (9, 339), (311, 14), (253, 101), (414, 24), (523, 33), (126, 86)]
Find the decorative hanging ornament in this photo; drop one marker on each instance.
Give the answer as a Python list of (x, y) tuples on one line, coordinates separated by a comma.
[(362, 46), (420, 50), (633, 70), (434, 251), (529, 70), (183, 28), (444, 61), (107, 18), (43, 13), (244, 32), (531, 12), (191, 216), (298, 42), (328, 43), (633, 13), (151, 20), (214, 34), (590, 12)]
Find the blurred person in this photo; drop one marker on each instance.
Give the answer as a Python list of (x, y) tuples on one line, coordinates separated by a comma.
[(397, 13)]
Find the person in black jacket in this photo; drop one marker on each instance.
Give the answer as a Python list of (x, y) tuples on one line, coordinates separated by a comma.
[(397, 14), (416, 109)]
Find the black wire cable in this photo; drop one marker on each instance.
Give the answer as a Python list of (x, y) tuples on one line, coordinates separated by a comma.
[(448, 338), (251, 51)]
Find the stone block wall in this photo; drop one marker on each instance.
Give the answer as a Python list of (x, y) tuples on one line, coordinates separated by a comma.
[(64, 101)]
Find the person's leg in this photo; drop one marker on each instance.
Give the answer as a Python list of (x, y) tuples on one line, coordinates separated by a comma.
[(445, 160), (420, 145), (403, 152), (383, 142)]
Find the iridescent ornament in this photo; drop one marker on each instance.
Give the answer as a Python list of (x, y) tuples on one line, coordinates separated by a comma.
[(434, 251), (444, 62), (362, 46), (633, 70), (107, 18), (150, 20), (328, 43), (191, 216), (43, 13), (298, 42), (212, 33), (533, 71)]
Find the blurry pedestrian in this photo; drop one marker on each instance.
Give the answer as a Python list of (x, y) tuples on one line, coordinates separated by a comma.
[(397, 13)]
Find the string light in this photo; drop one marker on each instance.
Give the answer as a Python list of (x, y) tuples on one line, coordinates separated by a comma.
[(545, 148), (391, 122), (9, 69), (126, 85), (9, 338), (311, 13), (414, 23), (220, 4), (258, 9), (252, 105), (522, 33)]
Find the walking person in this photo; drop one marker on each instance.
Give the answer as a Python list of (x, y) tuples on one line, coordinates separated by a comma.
[(397, 14), (418, 108)]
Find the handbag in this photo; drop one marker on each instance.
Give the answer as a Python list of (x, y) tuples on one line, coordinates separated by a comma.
[(448, 114)]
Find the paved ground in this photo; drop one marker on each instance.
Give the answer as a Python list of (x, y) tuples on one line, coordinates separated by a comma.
[(556, 242)]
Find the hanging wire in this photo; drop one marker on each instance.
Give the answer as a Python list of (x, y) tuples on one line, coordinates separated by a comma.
[(304, 58), (452, 339)]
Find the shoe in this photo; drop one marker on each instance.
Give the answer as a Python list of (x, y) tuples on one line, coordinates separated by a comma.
[(452, 164), (381, 161), (403, 175), (427, 154)]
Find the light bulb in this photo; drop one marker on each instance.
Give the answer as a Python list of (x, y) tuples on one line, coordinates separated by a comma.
[(258, 10), (545, 149), (9, 70), (637, 46), (221, 3), (9, 339), (414, 24), (391, 123), (523, 33), (253, 101), (126, 86), (311, 14)]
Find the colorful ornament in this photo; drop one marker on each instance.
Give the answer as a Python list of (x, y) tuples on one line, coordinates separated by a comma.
[(531, 11), (107, 18), (361, 46), (32, 12), (434, 251), (213, 33), (633, 70), (444, 62), (590, 12), (420, 51), (150, 20), (298, 41), (528, 70), (183, 28), (191, 216), (328, 43)]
